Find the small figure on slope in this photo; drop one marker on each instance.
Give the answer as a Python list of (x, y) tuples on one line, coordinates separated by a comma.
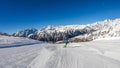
[(65, 43)]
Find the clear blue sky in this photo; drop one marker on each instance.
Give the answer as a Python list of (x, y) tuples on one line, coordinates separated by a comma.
[(21, 14)]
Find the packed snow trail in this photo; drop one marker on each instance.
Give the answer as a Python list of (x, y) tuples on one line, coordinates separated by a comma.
[(95, 54), (72, 57), (18, 45)]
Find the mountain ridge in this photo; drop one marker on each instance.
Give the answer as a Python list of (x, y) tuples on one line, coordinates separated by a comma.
[(106, 28)]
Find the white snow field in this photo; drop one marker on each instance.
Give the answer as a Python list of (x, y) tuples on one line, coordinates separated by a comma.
[(9, 41), (95, 54)]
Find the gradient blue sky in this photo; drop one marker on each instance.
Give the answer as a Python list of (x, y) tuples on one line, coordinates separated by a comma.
[(21, 14)]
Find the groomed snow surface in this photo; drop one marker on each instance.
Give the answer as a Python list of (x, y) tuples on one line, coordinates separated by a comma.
[(96, 54)]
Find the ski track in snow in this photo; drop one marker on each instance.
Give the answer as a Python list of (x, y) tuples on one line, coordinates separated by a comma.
[(72, 58), (17, 45), (82, 55)]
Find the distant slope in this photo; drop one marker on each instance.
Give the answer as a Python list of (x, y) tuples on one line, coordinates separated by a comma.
[(10, 41), (4, 34)]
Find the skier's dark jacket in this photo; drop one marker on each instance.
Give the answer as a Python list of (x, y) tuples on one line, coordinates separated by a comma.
[(66, 41)]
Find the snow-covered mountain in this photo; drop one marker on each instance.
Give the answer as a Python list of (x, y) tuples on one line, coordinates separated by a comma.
[(27, 33), (106, 28), (55, 33)]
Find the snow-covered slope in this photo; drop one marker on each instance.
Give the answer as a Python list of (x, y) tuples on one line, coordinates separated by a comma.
[(5, 34), (96, 54), (10, 41), (106, 28)]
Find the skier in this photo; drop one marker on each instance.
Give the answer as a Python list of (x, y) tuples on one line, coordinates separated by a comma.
[(65, 43)]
